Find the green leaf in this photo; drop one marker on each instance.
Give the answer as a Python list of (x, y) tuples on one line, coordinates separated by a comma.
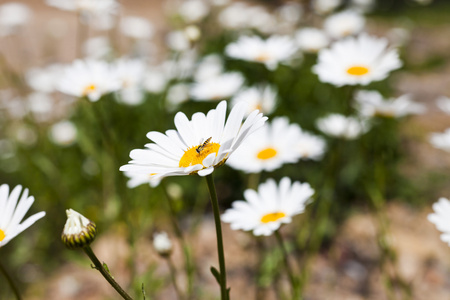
[(216, 274)]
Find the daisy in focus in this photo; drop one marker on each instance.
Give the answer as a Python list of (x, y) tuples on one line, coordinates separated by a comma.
[(197, 146), (356, 60), (12, 211), (441, 140), (340, 126), (269, 148), (265, 210), (88, 78), (276, 49), (372, 103), (441, 218), (262, 98)]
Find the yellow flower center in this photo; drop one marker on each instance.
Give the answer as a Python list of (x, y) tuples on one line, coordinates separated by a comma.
[(263, 57), (89, 89), (2, 235), (358, 70), (272, 217), (197, 154), (267, 153)]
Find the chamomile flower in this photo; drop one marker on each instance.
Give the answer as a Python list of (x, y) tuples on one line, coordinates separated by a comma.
[(344, 23), (337, 125), (372, 103), (265, 210), (88, 78), (441, 140), (219, 87), (197, 146), (261, 97), (269, 148), (441, 218), (311, 39), (12, 211), (310, 146), (271, 52), (356, 60)]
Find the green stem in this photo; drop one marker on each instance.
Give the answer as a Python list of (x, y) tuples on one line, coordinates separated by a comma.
[(215, 205), (173, 273), (295, 293), (105, 273), (11, 282)]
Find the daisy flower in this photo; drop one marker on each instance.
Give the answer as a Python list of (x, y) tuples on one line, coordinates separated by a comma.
[(269, 148), (265, 210), (136, 27), (136, 179), (310, 146), (218, 87), (13, 15), (441, 218), (271, 52), (443, 103), (343, 24), (311, 39), (262, 98), (88, 78), (12, 211), (337, 125), (441, 140), (372, 103), (356, 60), (197, 146)]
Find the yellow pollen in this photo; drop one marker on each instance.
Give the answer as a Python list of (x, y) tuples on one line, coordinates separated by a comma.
[(193, 157), (358, 70), (263, 57), (266, 153), (2, 235), (272, 217), (89, 89)]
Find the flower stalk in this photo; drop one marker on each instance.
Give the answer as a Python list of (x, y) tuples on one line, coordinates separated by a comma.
[(222, 278), (10, 282), (292, 279)]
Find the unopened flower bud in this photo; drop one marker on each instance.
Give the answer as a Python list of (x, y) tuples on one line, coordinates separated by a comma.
[(162, 244), (79, 231)]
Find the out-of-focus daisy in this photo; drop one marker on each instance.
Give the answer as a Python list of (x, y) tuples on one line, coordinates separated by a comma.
[(337, 125), (344, 23), (398, 36), (310, 146), (12, 211), (88, 78), (261, 97), (239, 15), (216, 88), (136, 179), (43, 79), (265, 210), (441, 218), (162, 244), (193, 10), (356, 60), (177, 40), (155, 80), (271, 52), (311, 39), (197, 146), (269, 148), (363, 5), (177, 94), (63, 133), (443, 103), (210, 66), (136, 28), (41, 105), (97, 47), (441, 140), (372, 103), (325, 6), (12, 16), (130, 72)]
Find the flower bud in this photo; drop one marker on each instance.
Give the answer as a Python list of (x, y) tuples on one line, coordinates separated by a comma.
[(79, 231), (162, 244)]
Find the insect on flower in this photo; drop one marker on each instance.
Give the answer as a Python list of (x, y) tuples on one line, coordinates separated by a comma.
[(202, 146)]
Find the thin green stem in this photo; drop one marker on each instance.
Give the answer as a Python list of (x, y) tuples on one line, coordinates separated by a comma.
[(292, 279), (105, 273), (173, 276), (215, 205), (11, 282)]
